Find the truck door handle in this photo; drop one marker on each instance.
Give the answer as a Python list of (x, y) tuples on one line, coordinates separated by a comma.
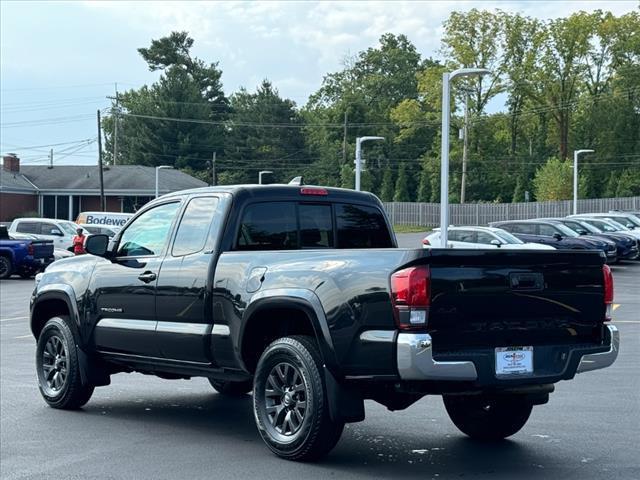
[(147, 277), (526, 281)]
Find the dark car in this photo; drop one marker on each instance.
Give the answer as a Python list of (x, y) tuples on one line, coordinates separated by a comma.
[(554, 233), (626, 245), (300, 295)]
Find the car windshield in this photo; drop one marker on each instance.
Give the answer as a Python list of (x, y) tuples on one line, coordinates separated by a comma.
[(69, 228), (602, 225), (589, 228), (617, 225), (507, 237), (624, 221), (565, 230)]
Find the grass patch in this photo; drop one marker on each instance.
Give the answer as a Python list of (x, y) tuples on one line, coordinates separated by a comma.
[(410, 229)]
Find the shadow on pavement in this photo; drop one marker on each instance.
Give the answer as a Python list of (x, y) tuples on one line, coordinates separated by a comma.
[(364, 449)]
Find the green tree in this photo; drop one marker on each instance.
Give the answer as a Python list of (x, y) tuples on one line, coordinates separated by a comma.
[(188, 89), (347, 176), (388, 185), (402, 185), (264, 133), (553, 181)]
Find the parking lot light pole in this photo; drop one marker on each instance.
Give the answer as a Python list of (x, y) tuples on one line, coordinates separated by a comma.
[(260, 173), (158, 168), (447, 77), (575, 177), (358, 160)]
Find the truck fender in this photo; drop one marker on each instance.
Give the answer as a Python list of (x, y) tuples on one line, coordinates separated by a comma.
[(307, 301), (92, 372)]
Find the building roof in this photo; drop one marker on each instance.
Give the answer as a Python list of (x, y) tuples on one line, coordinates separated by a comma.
[(119, 179), (15, 182)]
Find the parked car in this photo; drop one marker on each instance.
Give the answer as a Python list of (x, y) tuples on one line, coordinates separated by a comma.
[(608, 224), (94, 229), (301, 295), (60, 232), (24, 257), (626, 245), (628, 221), (58, 253), (113, 220), (554, 233), (481, 238)]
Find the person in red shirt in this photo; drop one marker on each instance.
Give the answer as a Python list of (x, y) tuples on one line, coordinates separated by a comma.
[(78, 242)]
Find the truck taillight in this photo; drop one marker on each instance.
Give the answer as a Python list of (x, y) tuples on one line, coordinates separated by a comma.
[(608, 292), (411, 297), (30, 249)]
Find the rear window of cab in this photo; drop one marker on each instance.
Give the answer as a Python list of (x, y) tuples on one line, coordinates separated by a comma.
[(295, 225)]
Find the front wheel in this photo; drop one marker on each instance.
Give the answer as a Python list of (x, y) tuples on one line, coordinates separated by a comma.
[(290, 401), (488, 417), (58, 367)]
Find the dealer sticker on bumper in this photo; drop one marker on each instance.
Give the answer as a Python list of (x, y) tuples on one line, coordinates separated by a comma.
[(514, 360)]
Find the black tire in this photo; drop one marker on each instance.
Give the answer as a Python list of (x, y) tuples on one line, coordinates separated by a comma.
[(488, 418), (292, 368), (6, 267), (232, 389), (58, 367), (26, 274)]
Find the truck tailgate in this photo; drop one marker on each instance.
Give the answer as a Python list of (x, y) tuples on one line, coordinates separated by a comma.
[(42, 248), (508, 298)]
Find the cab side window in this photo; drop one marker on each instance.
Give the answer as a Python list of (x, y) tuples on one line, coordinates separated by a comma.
[(268, 226), (547, 230), (148, 234), (28, 227), (194, 226), (484, 238)]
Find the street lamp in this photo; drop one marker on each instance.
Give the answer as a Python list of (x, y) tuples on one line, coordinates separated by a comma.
[(575, 177), (447, 77), (260, 173), (358, 160), (158, 168)]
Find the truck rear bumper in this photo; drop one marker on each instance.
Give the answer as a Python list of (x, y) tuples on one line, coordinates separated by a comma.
[(415, 361), (595, 361)]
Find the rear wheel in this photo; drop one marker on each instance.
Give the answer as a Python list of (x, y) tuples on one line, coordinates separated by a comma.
[(488, 417), (290, 401), (5, 267), (232, 389), (58, 367)]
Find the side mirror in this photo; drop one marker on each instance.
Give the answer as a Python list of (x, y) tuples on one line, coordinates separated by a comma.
[(557, 236), (56, 232), (496, 242), (97, 245), (583, 232)]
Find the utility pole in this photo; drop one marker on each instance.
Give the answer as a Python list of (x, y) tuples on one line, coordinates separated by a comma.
[(103, 205), (51, 158), (213, 169), (463, 186), (344, 140), (116, 111), (115, 130)]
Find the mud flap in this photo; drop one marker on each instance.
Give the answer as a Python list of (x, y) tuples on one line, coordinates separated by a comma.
[(92, 372), (345, 404)]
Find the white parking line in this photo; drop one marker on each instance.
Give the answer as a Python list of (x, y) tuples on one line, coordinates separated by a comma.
[(25, 336), (12, 319), (626, 321)]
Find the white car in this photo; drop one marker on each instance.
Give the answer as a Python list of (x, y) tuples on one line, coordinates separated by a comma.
[(487, 238), (61, 232)]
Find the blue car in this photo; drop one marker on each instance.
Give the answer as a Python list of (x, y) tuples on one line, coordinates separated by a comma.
[(627, 245), (554, 233)]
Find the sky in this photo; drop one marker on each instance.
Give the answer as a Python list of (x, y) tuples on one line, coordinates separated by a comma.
[(60, 60)]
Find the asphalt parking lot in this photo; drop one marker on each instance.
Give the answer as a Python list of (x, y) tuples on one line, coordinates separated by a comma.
[(143, 427)]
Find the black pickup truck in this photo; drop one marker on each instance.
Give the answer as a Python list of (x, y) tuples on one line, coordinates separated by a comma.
[(300, 295)]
